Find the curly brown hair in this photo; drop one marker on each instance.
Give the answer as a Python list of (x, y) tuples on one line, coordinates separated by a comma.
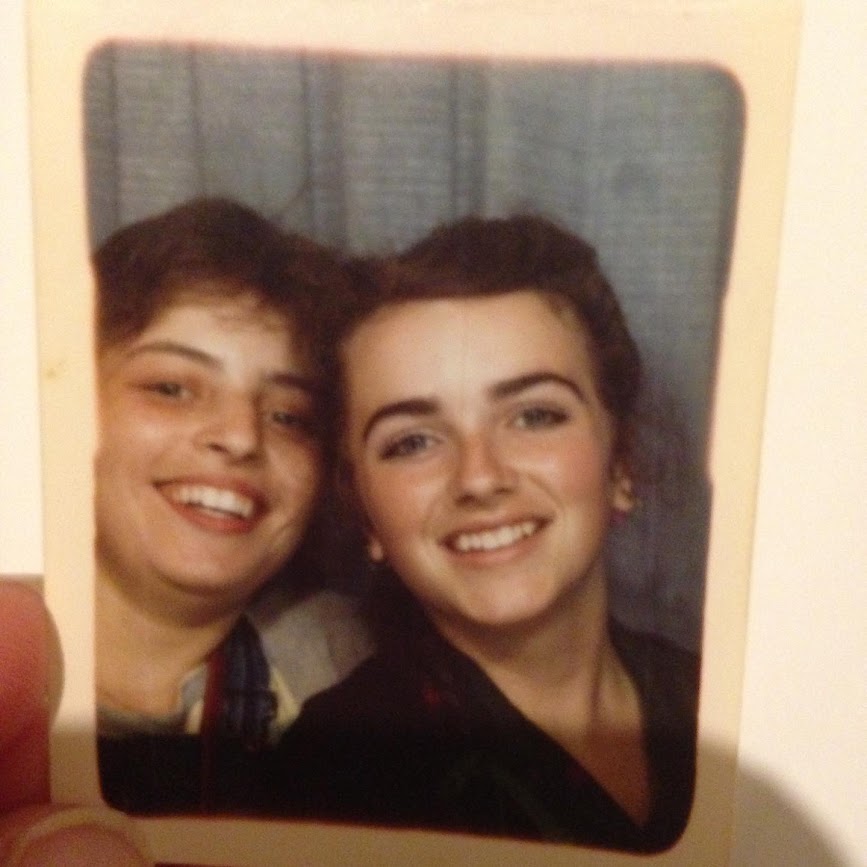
[(209, 248)]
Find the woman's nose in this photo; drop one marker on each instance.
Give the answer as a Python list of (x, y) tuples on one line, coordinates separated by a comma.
[(232, 426), (482, 470)]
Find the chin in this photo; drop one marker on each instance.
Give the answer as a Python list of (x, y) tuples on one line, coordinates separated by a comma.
[(504, 618), (524, 613), (213, 582)]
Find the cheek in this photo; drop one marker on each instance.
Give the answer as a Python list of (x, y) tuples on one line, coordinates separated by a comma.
[(129, 432), (578, 468), (126, 446), (394, 504), (297, 476)]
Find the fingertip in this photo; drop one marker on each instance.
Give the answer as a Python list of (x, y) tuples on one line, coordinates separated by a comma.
[(25, 650), (79, 837), (22, 605), (29, 633)]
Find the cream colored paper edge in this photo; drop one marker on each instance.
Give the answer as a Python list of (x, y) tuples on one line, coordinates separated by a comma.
[(738, 36)]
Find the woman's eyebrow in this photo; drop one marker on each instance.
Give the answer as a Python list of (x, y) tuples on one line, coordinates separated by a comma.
[(283, 378), (287, 379), (511, 387), (172, 347), (426, 406), (412, 406)]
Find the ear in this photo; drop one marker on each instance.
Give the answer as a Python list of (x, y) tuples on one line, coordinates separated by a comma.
[(375, 550), (622, 491)]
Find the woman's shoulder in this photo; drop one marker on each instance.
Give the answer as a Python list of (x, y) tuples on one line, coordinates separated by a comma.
[(357, 751), (379, 693), (667, 678), (650, 657)]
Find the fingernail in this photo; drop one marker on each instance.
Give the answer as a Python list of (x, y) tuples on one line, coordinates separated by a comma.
[(81, 836)]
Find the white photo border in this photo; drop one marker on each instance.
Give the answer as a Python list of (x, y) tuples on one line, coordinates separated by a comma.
[(737, 35)]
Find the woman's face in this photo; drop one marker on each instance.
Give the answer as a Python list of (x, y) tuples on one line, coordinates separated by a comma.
[(208, 467), (482, 456)]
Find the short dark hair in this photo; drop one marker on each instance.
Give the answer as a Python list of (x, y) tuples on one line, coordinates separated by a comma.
[(216, 247), (210, 249), (484, 257)]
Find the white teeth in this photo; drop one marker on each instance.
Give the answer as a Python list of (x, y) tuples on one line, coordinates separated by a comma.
[(490, 540), (215, 499)]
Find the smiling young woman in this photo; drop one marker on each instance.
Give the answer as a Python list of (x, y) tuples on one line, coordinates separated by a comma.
[(209, 465), (208, 474), (488, 390), (484, 465)]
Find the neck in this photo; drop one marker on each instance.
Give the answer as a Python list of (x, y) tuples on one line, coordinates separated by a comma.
[(565, 649), (144, 651), (564, 675)]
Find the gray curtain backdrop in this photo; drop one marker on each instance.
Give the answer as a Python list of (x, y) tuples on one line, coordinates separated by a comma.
[(369, 153)]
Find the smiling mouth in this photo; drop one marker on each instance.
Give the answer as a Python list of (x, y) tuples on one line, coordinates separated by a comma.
[(493, 540), (214, 501)]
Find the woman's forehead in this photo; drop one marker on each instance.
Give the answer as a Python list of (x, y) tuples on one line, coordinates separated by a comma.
[(471, 340), (207, 320), (233, 299), (497, 317)]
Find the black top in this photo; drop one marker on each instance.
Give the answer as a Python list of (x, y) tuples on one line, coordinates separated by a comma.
[(218, 769), (419, 736)]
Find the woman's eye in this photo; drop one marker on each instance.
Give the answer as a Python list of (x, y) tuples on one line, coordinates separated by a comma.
[(406, 446), (167, 388), (540, 417), (291, 420)]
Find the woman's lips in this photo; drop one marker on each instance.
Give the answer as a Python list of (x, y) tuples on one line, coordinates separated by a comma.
[(493, 538), (222, 508)]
